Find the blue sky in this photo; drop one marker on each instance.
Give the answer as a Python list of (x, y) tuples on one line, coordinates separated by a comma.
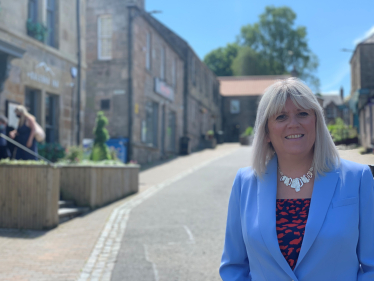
[(331, 26)]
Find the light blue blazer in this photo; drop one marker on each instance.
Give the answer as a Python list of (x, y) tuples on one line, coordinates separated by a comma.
[(339, 235)]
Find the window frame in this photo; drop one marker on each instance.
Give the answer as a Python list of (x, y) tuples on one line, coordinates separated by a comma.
[(100, 38)]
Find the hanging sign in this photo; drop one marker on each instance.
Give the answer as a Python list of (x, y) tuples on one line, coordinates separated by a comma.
[(164, 89)]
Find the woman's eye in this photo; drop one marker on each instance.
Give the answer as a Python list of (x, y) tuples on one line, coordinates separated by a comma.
[(303, 113), (280, 117)]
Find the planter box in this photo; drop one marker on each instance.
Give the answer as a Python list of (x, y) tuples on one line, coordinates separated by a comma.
[(96, 186), (211, 143), (247, 140), (29, 196)]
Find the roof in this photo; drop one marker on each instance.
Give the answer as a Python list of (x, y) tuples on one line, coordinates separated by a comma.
[(369, 40), (247, 85), (336, 99)]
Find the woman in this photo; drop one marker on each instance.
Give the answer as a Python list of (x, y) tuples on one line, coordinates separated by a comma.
[(25, 134), (299, 212)]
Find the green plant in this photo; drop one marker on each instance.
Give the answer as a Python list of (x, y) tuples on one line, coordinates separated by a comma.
[(51, 151), (36, 30), (247, 132), (75, 154), (7, 161), (340, 131), (100, 150)]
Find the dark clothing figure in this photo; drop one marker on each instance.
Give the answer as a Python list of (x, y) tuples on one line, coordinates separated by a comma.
[(23, 134), (4, 150)]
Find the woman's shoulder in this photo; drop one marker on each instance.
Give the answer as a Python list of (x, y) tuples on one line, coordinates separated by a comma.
[(246, 174), (347, 165)]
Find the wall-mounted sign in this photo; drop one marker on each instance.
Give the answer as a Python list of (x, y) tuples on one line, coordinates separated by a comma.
[(45, 78), (164, 89)]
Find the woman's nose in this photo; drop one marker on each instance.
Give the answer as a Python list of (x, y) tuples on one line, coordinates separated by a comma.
[(293, 121)]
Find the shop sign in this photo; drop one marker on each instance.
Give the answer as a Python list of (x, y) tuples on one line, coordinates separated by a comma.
[(164, 89), (46, 78)]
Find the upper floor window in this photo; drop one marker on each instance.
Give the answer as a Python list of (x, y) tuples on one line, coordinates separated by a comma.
[(148, 52), (105, 31), (33, 11), (174, 72), (51, 23), (162, 63)]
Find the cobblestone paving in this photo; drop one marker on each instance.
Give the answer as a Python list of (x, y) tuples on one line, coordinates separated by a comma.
[(61, 253)]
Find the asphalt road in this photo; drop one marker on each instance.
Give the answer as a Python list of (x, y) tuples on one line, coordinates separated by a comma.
[(178, 233)]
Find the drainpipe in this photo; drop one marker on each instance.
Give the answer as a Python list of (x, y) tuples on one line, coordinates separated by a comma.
[(130, 98), (78, 74)]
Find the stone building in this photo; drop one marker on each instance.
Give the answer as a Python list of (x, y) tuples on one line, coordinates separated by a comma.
[(38, 53), (334, 107), (241, 95), (172, 93), (156, 111), (361, 99)]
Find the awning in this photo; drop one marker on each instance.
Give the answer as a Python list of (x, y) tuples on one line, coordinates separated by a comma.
[(11, 50)]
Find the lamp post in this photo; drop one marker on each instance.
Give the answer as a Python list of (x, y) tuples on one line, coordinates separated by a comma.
[(131, 17)]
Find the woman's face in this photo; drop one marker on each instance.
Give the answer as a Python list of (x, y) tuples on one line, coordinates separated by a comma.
[(293, 131)]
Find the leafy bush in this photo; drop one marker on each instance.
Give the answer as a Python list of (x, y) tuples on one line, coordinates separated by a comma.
[(36, 30), (247, 132), (94, 163), (100, 150), (75, 154), (51, 151), (340, 131)]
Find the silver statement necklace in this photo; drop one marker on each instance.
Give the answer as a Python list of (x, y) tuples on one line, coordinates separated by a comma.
[(296, 183)]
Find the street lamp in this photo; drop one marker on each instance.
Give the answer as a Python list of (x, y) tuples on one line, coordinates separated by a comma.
[(129, 86)]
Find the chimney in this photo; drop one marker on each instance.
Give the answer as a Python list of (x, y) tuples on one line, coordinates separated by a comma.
[(342, 93)]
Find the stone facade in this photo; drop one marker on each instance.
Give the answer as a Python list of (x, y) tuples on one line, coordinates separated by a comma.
[(41, 77), (361, 100), (157, 70)]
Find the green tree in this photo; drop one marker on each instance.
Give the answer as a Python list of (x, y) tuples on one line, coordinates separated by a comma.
[(100, 150), (283, 46), (220, 60)]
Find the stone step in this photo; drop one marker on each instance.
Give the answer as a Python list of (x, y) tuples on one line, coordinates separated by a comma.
[(66, 204), (66, 214)]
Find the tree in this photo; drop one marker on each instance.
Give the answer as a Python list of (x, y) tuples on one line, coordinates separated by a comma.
[(272, 46), (282, 45), (100, 150), (220, 60)]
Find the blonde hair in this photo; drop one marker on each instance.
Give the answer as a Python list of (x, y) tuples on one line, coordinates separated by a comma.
[(20, 109), (325, 157)]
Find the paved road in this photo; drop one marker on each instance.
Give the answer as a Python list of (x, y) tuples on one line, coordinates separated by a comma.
[(178, 233)]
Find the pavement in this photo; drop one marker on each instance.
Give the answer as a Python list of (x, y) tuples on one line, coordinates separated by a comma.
[(89, 247)]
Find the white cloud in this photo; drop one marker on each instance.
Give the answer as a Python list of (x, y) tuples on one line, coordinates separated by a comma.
[(364, 36), (337, 79)]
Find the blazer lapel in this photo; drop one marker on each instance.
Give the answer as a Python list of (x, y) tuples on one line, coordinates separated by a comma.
[(266, 196), (323, 192)]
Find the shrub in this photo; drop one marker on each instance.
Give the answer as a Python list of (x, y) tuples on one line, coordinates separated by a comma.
[(100, 150), (340, 131), (247, 132), (36, 30), (75, 154), (51, 151)]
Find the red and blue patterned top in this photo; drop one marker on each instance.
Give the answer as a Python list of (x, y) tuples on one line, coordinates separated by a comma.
[(292, 215)]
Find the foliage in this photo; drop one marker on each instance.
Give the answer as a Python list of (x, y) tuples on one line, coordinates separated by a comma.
[(36, 30), (272, 46), (7, 161), (247, 132), (220, 60), (340, 131), (210, 133), (100, 150), (51, 151), (94, 163), (75, 154)]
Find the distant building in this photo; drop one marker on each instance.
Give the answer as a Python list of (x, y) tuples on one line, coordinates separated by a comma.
[(334, 107), (241, 96), (38, 63), (361, 99), (174, 94)]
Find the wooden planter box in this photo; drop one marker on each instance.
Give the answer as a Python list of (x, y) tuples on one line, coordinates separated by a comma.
[(96, 186), (246, 140), (29, 196)]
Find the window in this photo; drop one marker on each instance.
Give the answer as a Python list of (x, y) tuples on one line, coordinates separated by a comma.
[(171, 131), (234, 106), (51, 118), (105, 104), (174, 72), (51, 22), (148, 52), (32, 102), (104, 44), (33, 10), (162, 63), (193, 71), (150, 126)]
